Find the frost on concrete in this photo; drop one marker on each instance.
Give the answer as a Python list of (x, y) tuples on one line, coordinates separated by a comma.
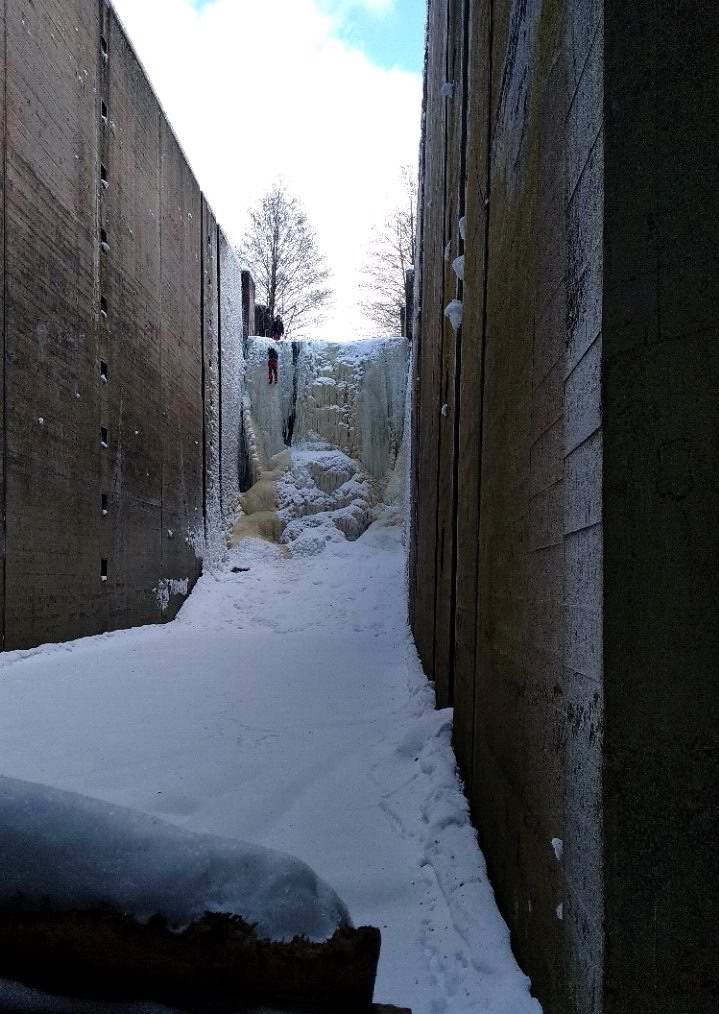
[(169, 587), (62, 851)]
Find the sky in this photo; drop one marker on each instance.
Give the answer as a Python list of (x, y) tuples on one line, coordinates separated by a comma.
[(322, 94)]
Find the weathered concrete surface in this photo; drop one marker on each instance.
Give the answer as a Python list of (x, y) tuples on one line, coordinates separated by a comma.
[(660, 501), (565, 472), (111, 306)]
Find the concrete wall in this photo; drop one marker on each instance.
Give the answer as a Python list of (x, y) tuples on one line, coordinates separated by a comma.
[(113, 291), (561, 447)]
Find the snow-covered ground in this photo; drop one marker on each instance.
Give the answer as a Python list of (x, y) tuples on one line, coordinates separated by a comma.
[(286, 707)]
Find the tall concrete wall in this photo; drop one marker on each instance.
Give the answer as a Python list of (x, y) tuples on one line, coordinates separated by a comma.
[(115, 275), (561, 468)]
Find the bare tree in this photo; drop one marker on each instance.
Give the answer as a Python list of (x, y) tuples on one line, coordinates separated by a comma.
[(391, 254), (280, 248)]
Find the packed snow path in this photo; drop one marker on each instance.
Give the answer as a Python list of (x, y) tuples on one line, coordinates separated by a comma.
[(285, 706)]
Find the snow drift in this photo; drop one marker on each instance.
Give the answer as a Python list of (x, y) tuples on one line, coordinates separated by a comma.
[(62, 851)]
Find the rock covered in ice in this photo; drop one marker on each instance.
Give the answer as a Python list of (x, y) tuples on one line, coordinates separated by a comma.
[(63, 851)]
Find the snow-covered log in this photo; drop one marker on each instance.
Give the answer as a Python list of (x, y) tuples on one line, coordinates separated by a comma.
[(101, 902)]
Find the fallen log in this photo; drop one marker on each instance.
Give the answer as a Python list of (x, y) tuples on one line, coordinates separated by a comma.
[(217, 963)]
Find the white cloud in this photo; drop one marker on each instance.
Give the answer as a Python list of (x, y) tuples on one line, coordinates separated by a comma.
[(258, 89)]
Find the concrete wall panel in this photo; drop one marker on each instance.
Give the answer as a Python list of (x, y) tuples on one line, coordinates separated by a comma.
[(528, 707), (3, 127), (427, 363), (111, 332), (450, 359), (129, 331), (585, 649), (478, 76), (661, 507), (181, 360), (52, 386), (211, 358)]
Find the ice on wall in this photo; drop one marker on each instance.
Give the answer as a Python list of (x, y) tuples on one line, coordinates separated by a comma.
[(231, 370), (352, 396), (64, 851), (349, 395), (269, 406)]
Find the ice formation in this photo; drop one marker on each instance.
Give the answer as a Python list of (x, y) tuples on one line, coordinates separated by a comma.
[(453, 312), (325, 444), (65, 851)]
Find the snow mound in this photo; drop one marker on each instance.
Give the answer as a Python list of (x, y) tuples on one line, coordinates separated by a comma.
[(323, 494), (62, 851)]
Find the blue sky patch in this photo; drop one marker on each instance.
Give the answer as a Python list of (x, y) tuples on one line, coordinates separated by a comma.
[(394, 38)]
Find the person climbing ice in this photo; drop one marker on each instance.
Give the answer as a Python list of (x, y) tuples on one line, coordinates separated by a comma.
[(278, 329)]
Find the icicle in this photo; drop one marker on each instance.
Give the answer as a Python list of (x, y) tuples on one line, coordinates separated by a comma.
[(448, 89), (453, 313), (461, 226), (458, 266)]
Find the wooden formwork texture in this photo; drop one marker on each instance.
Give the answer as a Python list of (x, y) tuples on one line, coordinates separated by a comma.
[(111, 335), (504, 521)]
